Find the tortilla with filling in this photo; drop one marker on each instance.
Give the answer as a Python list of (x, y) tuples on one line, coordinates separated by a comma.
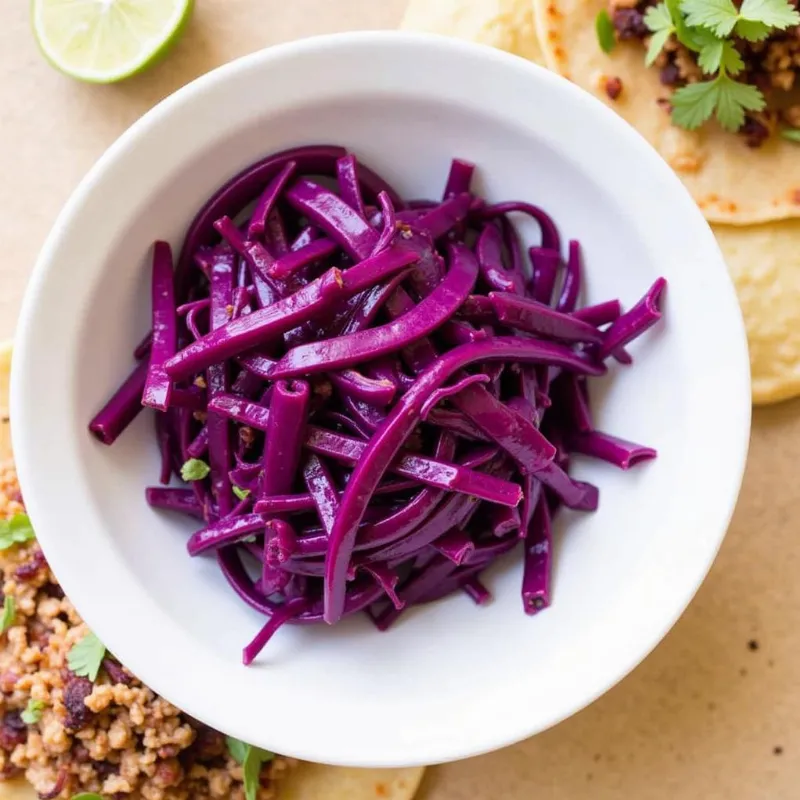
[(730, 182), (505, 24), (307, 781)]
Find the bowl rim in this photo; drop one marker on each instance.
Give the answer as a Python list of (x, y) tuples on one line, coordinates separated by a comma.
[(24, 380)]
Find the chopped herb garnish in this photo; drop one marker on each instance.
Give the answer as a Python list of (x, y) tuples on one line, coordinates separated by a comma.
[(33, 711), (719, 16), (87, 796), (792, 134), (9, 612), (252, 759), (692, 105), (195, 469), (605, 31), (705, 27), (16, 530), (242, 494), (86, 656), (658, 20)]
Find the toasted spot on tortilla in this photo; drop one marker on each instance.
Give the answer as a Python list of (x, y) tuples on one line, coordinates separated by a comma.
[(380, 789), (796, 196), (685, 163)]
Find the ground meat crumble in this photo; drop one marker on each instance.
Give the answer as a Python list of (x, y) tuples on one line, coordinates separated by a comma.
[(772, 65), (115, 736)]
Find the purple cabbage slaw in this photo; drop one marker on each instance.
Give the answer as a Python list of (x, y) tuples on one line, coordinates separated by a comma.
[(369, 401)]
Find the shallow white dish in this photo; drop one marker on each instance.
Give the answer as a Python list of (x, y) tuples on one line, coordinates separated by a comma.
[(451, 680)]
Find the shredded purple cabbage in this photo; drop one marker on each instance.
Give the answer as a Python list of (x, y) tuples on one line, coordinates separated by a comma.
[(370, 400)]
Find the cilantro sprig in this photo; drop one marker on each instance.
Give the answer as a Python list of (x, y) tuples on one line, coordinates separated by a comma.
[(709, 28), (86, 656), (251, 759)]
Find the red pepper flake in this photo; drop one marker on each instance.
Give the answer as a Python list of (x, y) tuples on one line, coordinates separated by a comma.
[(613, 88)]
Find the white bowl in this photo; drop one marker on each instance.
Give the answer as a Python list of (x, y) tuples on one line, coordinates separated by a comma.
[(451, 680)]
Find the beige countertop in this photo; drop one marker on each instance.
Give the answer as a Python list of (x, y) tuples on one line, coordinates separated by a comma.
[(715, 711)]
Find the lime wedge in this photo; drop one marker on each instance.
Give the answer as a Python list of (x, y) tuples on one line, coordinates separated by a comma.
[(103, 41)]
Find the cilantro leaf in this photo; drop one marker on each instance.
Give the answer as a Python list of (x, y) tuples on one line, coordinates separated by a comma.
[(719, 16), (252, 760), (774, 13), (752, 31), (16, 530), (86, 656), (720, 54), (33, 712), (657, 42), (791, 134), (242, 494), (732, 61), (734, 99), (87, 796), (604, 28), (685, 36), (710, 57), (692, 105), (658, 18), (237, 749), (9, 612), (195, 470)]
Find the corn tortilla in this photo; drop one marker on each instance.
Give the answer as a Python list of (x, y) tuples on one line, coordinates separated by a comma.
[(731, 183)]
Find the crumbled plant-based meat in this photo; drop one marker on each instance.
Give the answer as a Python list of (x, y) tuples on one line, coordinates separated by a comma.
[(114, 737), (117, 672), (771, 65), (613, 88), (755, 134), (629, 23)]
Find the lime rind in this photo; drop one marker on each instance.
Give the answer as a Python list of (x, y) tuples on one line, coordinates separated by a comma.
[(104, 41)]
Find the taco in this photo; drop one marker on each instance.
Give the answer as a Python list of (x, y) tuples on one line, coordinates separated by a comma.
[(738, 178), (74, 723)]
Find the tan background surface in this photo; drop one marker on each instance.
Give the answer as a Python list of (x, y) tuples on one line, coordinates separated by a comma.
[(705, 716)]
